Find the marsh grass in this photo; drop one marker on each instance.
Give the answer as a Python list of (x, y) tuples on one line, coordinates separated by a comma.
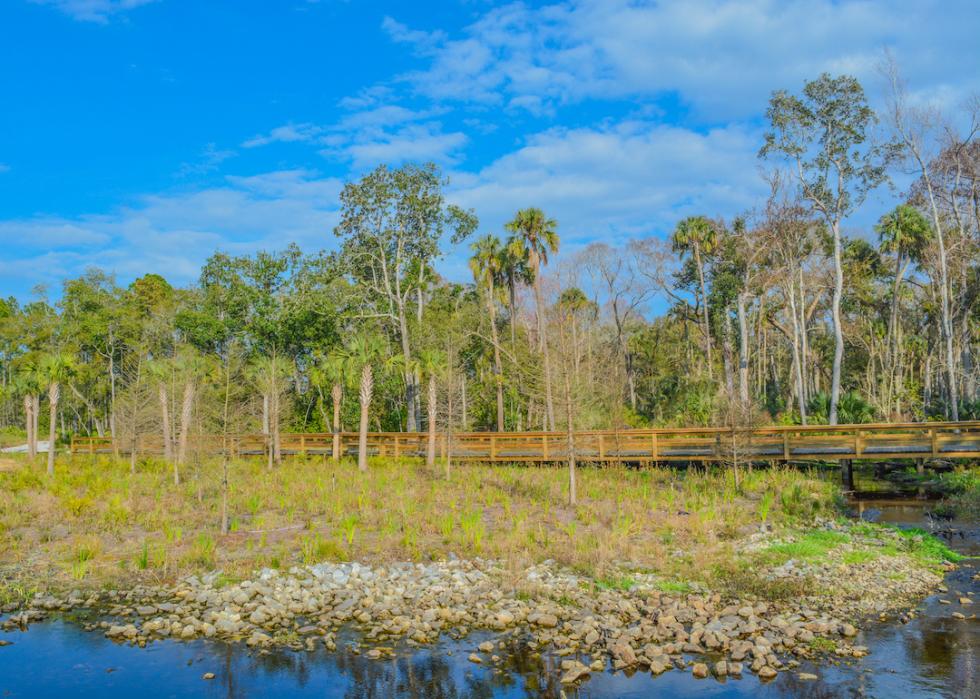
[(677, 523)]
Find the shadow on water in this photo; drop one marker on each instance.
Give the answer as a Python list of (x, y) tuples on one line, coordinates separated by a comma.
[(934, 655)]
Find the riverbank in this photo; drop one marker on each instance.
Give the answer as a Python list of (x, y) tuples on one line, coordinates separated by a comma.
[(654, 569)]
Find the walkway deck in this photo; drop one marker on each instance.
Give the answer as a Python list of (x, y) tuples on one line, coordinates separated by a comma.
[(778, 443)]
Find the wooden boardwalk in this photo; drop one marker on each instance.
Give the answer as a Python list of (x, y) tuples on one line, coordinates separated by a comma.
[(960, 440)]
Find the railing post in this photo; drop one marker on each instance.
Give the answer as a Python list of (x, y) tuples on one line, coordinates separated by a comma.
[(493, 447), (544, 446), (858, 447), (302, 444), (654, 447), (934, 440), (602, 447), (786, 445)]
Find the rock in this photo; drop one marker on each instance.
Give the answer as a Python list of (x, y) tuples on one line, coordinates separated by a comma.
[(966, 600), (959, 615), (766, 673), (721, 668), (485, 647), (807, 676), (146, 610), (374, 654), (848, 630), (699, 670), (574, 673), (258, 617), (624, 655), (548, 621), (474, 658), (597, 665), (5, 643), (591, 638), (735, 669), (658, 667), (207, 676)]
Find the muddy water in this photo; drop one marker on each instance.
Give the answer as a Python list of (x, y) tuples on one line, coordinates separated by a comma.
[(934, 655)]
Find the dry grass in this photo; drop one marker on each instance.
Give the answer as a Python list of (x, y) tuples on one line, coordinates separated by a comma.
[(95, 523)]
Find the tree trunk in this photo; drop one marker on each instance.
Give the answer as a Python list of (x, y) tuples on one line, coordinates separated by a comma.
[(411, 389), (797, 359), (838, 330), (704, 309), (54, 395), (168, 446), (430, 453), (549, 402), (35, 417), (336, 394), (570, 440), (743, 350), (498, 369), (186, 410), (29, 424), (367, 388)]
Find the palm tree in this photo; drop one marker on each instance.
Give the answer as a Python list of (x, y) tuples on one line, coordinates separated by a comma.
[(696, 235), (430, 364), (359, 355), (329, 369), (162, 372), (487, 265), (55, 369), (533, 238), (27, 383), (905, 233), (269, 374)]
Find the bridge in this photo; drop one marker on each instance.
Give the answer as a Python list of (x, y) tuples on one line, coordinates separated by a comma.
[(876, 442)]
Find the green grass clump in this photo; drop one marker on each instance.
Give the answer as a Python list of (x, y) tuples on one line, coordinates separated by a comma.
[(615, 583), (927, 549), (859, 556)]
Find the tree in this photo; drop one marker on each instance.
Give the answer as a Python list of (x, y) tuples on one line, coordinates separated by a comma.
[(534, 238), (27, 382), (430, 364), (905, 233), (391, 222), (360, 354), (824, 134), (696, 235), (487, 265), (56, 369), (270, 375)]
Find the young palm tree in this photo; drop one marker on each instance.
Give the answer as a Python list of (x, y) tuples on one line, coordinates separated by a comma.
[(55, 369), (360, 354), (27, 383), (430, 364), (329, 370), (533, 238), (269, 374), (487, 265), (697, 236)]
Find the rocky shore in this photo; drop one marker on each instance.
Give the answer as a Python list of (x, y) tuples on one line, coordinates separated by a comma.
[(384, 610)]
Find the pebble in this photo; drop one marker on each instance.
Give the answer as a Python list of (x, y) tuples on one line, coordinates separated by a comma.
[(207, 676)]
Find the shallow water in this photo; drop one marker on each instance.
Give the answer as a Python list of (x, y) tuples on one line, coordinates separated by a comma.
[(934, 655)]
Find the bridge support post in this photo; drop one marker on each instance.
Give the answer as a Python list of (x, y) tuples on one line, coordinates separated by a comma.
[(847, 473), (920, 466)]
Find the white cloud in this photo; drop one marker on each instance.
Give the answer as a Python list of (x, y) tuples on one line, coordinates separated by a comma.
[(93, 10), (173, 233), (721, 58), (290, 133), (623, 180)]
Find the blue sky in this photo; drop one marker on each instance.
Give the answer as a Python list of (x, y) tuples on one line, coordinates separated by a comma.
[(142, 135)]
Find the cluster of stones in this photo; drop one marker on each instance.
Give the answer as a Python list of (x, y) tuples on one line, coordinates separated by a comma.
[(590, 629)]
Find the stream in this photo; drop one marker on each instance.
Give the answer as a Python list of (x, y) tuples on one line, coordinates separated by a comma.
[(934, 655)]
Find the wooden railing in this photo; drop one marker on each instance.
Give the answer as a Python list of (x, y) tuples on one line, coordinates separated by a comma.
[(775, 443)]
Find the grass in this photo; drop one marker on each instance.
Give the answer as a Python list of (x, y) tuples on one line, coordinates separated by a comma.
[(681, 525)]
